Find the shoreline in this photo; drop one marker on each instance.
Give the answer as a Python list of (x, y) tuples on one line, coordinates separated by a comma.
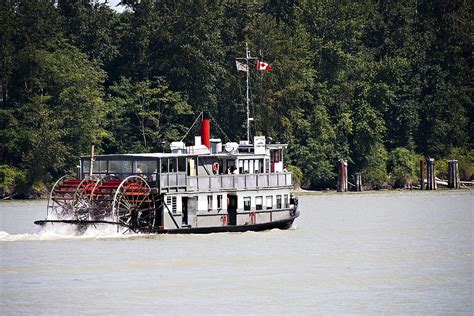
[(304, 192)]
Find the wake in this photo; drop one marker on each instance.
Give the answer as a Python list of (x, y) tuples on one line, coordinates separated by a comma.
[(59, 231)]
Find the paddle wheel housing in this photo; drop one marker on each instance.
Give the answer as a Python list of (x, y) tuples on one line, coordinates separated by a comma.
[(129, 202)]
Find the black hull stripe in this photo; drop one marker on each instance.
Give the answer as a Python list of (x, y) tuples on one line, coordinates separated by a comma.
[(281, 224)]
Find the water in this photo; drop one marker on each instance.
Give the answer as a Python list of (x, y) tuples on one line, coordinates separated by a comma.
[(394, 252)]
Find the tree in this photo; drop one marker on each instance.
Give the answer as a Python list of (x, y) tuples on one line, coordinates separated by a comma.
[(144, 114)]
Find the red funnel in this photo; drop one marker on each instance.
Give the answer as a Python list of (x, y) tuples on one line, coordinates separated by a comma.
[(206, 133)]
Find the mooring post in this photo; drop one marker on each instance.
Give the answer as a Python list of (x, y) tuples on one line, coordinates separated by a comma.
[(341, 181), (450, 174), (346, 177), (457, 177), (453, 174), (358, 181), (431, 174), (422, 174)]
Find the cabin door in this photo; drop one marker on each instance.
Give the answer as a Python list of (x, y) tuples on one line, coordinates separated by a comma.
[(184, 211), (232, 208), (190, 205)]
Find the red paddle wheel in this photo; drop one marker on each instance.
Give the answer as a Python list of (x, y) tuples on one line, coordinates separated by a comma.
[(62, 197), (102, 197), (128, 202), (133, 204)]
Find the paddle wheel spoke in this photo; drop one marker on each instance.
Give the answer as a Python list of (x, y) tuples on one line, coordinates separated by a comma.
[(62, 199), (133, 204)]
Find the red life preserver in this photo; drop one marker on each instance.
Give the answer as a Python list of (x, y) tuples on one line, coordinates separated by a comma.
[(224, 220)]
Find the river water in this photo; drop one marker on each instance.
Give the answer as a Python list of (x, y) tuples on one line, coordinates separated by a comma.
[(369, 253)]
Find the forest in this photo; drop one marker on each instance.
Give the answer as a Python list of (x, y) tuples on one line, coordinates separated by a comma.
[(381, 83)]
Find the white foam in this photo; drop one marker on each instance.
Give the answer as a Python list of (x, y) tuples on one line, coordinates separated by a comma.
[(59, 231)]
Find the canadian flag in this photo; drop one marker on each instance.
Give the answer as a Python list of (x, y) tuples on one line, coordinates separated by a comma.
[(261, 65)]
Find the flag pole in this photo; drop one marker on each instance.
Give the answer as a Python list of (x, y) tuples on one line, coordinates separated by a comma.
[(247, 56), (247, 59)]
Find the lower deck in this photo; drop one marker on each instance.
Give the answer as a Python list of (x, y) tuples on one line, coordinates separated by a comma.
[(225, 209)]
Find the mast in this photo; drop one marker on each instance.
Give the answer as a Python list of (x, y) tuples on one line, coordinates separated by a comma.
[(247, 58)]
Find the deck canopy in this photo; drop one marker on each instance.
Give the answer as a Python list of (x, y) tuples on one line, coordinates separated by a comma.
[(153, 164)]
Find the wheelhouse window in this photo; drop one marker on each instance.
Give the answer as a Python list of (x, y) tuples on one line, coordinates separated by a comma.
[(247, 203), (209, 202), (144, 166), (120, 166), (278, 201), (258, 202), (269, 202), (100, 166)]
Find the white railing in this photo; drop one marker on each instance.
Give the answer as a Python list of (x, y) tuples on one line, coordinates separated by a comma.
[(183, 182)]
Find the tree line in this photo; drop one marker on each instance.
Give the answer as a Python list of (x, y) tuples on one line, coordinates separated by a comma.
[(379, 83)]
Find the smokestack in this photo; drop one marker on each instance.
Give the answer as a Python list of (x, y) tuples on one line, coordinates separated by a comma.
[(206, 133)]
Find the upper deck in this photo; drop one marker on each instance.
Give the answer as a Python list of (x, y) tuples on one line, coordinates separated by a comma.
[(197, 170)]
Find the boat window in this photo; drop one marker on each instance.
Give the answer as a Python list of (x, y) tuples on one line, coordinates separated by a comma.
[(247, 201), (120, 166), (145, 166), (241, 166), (173, 165), (219, 202), (287, 202), (171, 202), (85, 167), (278, 201), (230, 166), (258, 202), (100, 166), (269, 202), (164, 165), (209, 202), (182, 164)]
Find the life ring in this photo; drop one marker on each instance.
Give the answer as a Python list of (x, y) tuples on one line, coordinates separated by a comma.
[(225, 220), (215, 167)]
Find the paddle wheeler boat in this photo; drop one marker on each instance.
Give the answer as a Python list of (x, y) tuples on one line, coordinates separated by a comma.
[(204, 188)]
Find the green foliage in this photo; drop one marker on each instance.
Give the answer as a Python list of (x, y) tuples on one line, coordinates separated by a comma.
[(349, 80), (12, 179), (143, 114), (402, 166), (375, 171), (60, 116), (297, 175)]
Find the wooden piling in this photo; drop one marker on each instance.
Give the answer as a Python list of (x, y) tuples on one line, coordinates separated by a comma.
[(422, 174), (346, 177), (430, 167), (453, 175), (342, 180), (358, 181)]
